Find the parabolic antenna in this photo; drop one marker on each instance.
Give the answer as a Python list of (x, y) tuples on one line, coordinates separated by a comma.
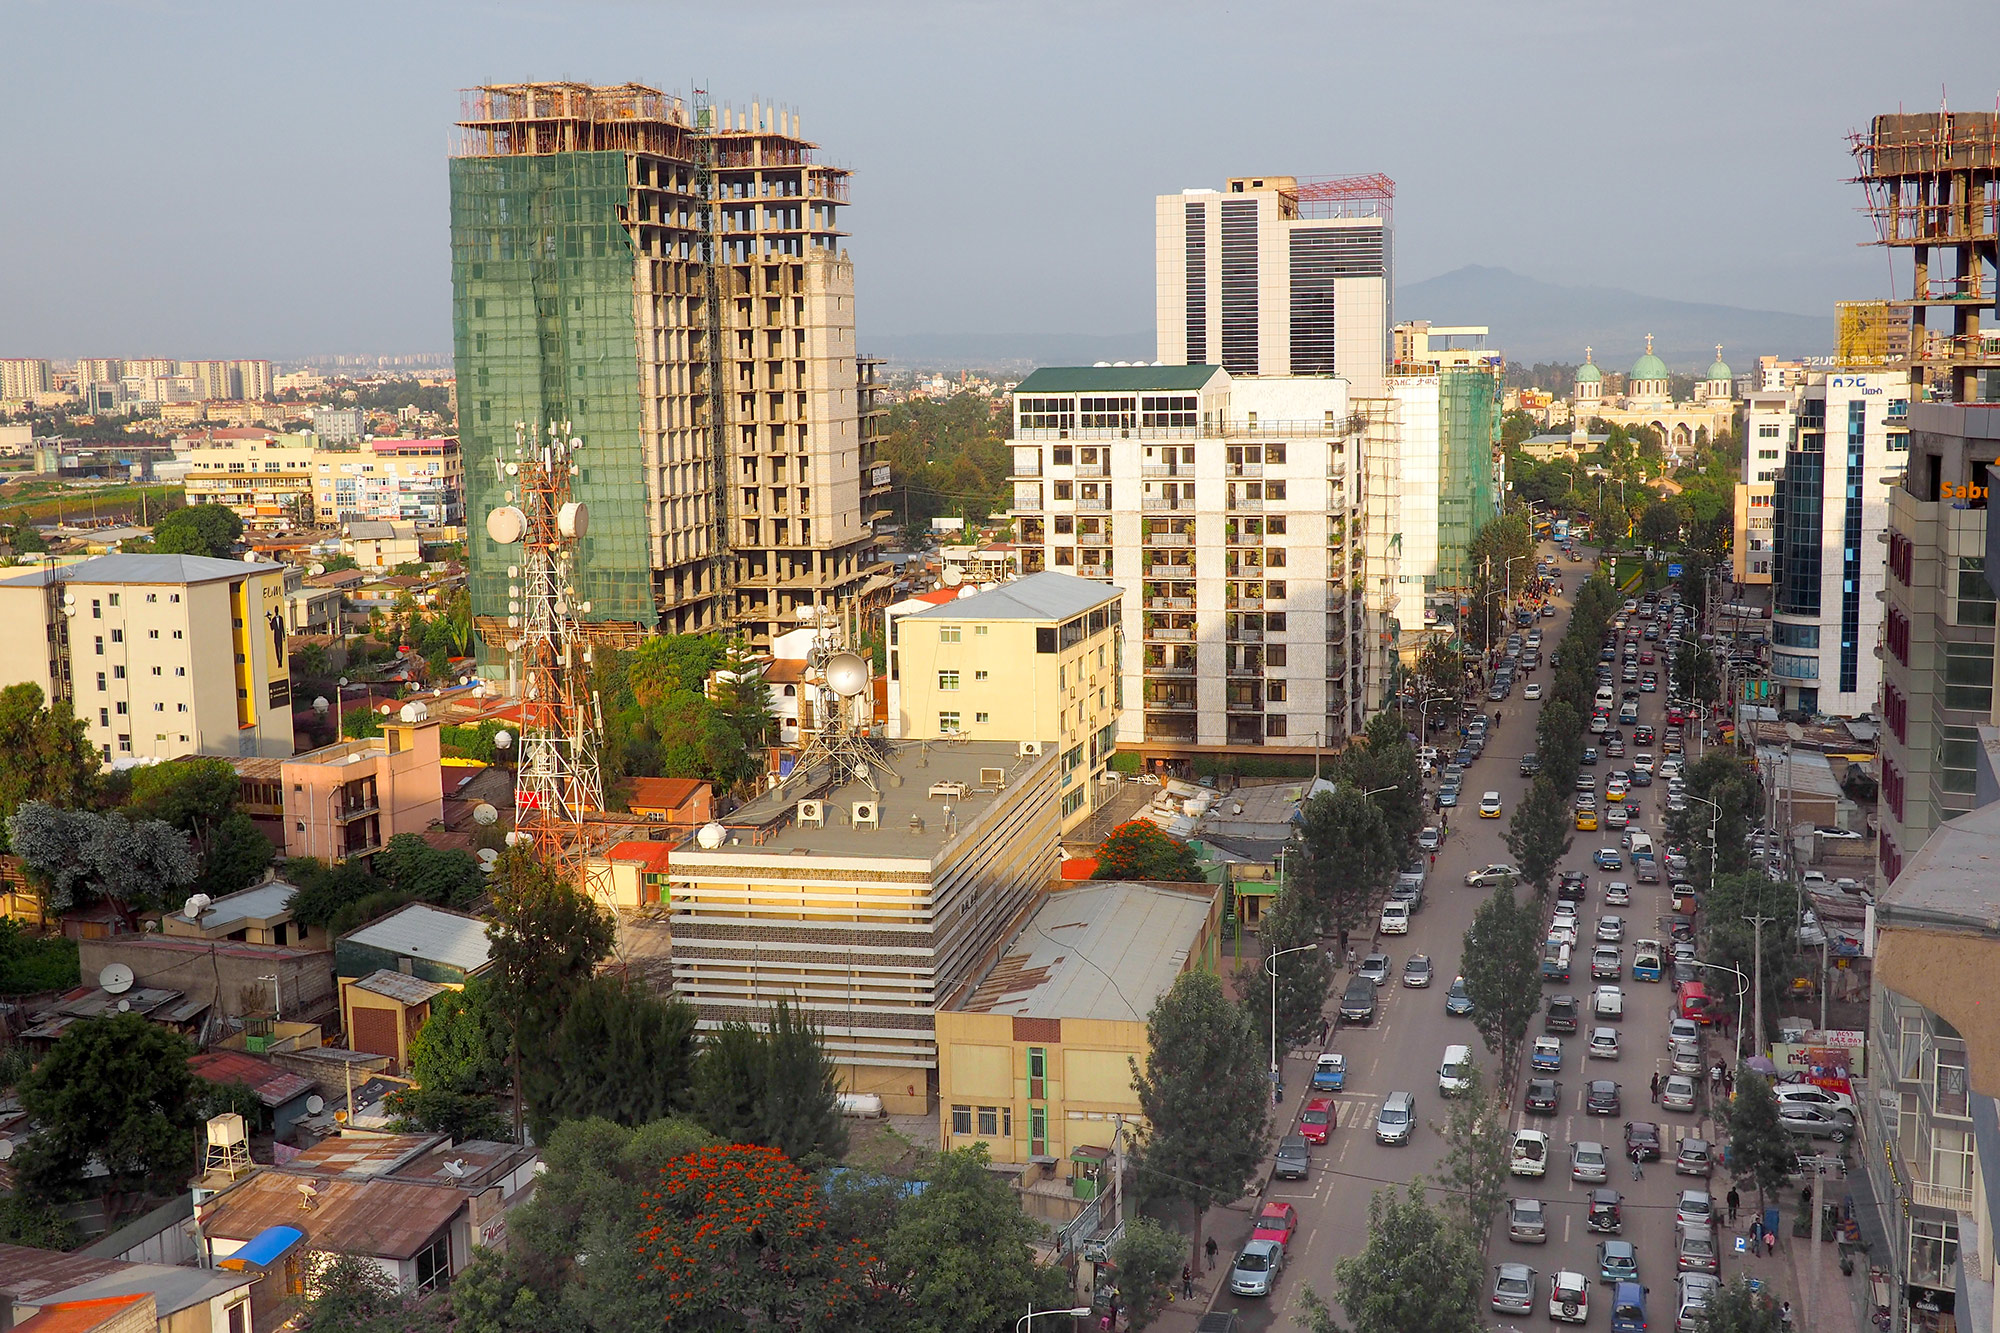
[(711, 835), (953, 576), (116, 978), (968, 591), (315, 1104), (6, 1149), (506, 525), (315, 570), (573, 520), (846, 674), (484, 813)]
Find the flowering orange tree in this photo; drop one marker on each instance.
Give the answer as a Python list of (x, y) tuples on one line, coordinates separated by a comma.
[(1142, 850), (736, 1236)]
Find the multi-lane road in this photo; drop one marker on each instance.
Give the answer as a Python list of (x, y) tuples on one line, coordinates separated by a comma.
[(1403, 1048)]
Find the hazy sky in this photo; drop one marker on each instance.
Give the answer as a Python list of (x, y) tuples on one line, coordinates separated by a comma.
[(221, 179)]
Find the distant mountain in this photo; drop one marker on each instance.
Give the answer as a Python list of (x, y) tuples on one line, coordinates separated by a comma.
[(1005, 351), (1543, 321)]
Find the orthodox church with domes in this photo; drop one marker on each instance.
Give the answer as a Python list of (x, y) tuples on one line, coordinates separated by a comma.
[(1648, 401)]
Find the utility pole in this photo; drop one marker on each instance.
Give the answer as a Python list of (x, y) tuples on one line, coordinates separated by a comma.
[(1757, 924)]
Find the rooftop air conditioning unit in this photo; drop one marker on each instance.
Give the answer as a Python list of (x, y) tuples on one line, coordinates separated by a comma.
[(992, 777), (867, 814), (1031, 748), (812, 814)]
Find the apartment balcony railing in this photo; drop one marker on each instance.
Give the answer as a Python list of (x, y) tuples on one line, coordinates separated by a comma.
[(1098, 506), (1169, 669), (1170, 603), (1169, 634), (1161, 470), (1026, 470), (1169, 571), (1247, 505), (1154, 503), (358, 809), (1948, 1197), (1223, 430), (1092, 469), (1027, 504), (1170, 705), (1247, 604), (1093, 571), (1241, 635), (1170, 539), (1247, 669), (1166, 731), (1246, 470)]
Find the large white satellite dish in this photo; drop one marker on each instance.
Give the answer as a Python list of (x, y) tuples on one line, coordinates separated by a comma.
[(507, 525), (953, 576), (484, 813), (573, 520), (846, 674), (116, 978)]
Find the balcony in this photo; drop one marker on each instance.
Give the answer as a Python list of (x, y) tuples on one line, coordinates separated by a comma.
[(1169, 668), (347, 811), (1251, 669), (1153, 503), (1170, 571), (1174, 731), (1159, 603), (1102, 469), (1096, 506), (1948, 1197), (1170, 705), (1161, 470), (1243, 504), (1026, 503), (1246, 470), (1246, 604), (1246, 636), (1093, 571), (1169, 634), (1026, 470), (1170, 539)]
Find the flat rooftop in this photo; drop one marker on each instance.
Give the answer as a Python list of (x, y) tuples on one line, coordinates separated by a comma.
[(913, 821), (1953, 881), (1100, 950), (261, 903)]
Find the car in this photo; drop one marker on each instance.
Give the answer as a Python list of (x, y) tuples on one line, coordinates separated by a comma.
[(1493, 876), (1608, 858), (1560, 1014), (1692, 1294), (1837, 834), (1682, 1029), (1397, 1119), (1457, 1000), (1614, 746), (1527, 1221), (1429, 840), (1547, 1054), (1694, 1157), (1329, 1072), (1375, 968), (1617, 1261), (1801, 1118), (1608, 1002), (1606, 962), (1615, 789), (1603, 1043), (1618, 816), (1528, 1155), (1255, 1272), (1395, 918), (1586, 818), (1513, 1289), (1649, 683), (1646, 960), (1544, 1096), (1642, 735), (1532, 691), (1694, 1208), (1489, 805), (1642, 1136), (1617, 893), (1572, 886), (1565, 915), (1631, 674), (1589, 1163), (1294, 1158), (1600, 1097), (1357, 1003), (1646, 654), (1569, 1298), (1318, 1120), (1611, 929), (1447, 798), (1590, 757), (1276, 1221), (1694, 1249), (1811, 1094), (1685, 1057), (1677, 1093), (1417, 971)]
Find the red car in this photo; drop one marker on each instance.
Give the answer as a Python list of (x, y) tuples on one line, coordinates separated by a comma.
[(1317, 1120), (1645, 657), (1277, 1222), (1675, 717)]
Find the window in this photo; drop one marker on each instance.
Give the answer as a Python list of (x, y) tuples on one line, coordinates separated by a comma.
[(947, 721), (96, 609), (980, 675), (100, 682), (981, 718), (1038, 1130), (177, 634), (119, 708), (238, 1316), (100, 645), (1968, 676), (104, 717), (113, 599), (1958, 759), (156, 671), (159, 708), (174, 597), (1038, 1073), (1949, 1094), (118, 636), (1975, 599), (961, 1119), (1767, 430), (947, 680), (180, 671), (434, 1265), (1933, 1252), (152, 634), (152, 597), (1274, 726), (124, 743), (996, 1120), (948, 634), (979, 632), (118, 673), (182, 707)]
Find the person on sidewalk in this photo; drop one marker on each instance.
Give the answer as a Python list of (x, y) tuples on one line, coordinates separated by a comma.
[(1187, 1283), (1210, 1248), (1734, 1200), (1656, 1085), (1770, 1243), (1785, 1314)]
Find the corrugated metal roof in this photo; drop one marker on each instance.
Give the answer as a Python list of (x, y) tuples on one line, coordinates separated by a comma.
[(663, 793), (273, 1086), (1117, 379), (36, 1277), (363, 1157), (1102, 950), (384, 1218), (395, 985), (143, 569), (79, 1316), (1044, 596), (431, 933)]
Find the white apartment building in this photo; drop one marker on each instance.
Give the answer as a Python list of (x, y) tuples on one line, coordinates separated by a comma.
[(161, 655), (391, 480), (1271, 276), (1229, 512), (1830, 519), (1770, 416), (23, 379)]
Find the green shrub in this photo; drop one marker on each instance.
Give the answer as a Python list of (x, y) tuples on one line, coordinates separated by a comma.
[(31, 964)]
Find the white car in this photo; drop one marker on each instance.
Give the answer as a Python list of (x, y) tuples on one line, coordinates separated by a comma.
[(1604, 1043), (1530, 1153), (1811, 1094), (1395, 918), (1608, 1002), (1489, 805), (1569, 1298), (1532, 690)]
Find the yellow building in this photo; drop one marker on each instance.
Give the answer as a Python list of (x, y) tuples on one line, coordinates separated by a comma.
[(162, 655), (260, 474), (1034, 1056), (1023, 661)]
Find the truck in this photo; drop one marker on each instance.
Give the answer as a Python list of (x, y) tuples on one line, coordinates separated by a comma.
[(1562, 529)]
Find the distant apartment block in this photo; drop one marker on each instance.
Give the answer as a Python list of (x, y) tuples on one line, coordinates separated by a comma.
[(411, 480), (1228, 511), (264, 476), (23, 380), (339, 425), (161, 655)]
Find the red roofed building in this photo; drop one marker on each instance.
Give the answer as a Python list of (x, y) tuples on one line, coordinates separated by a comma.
[(684, 803), (636, 871), (280, 1092)]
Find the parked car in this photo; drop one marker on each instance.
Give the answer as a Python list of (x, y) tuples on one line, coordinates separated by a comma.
[(1600, 1097), (1529, 1153), (1694, 1158), (1429, 839), (1677, 1093), (1692, 1294), (1547, 1055), (1513, 1289), (1276, 1221), (1318, 1120), (1694, 1249), (1255, 1272), (1375, 968), (1527, 1221), (1357, 1005), (1560, 1014), (1801, 1118), (1395, 918), (1608, 1002), (1294, 1158), (1694, 1208), (1589, 1164), (1417, 970)]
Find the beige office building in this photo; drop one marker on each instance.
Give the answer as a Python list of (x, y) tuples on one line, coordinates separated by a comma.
[(1039, 657), (260, 474), (160, 654)]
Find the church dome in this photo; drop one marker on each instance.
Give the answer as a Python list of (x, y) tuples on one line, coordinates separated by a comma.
[(1648, 367), (1587, 373), (1720, 369)]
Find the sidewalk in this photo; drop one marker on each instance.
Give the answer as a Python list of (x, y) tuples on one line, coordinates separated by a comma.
[(1806, 1274)]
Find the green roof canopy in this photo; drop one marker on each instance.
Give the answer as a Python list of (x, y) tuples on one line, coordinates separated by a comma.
[(1118, 379)]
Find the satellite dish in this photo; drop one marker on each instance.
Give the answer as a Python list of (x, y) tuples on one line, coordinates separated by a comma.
[(711, 835), (487, 856), (846, 674), (6, 1149), (953, 576), (573, 520), (116, 978), (1794, 731), (315, 1104), (315, 570), (968, 591), (196, 904), (124, 1006), (502, 739), (506, 525), (484, 813), (251, 557)]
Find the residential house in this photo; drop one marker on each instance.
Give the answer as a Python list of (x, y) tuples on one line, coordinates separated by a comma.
[(281, 1095), (683, 803), (379, 545), (392, 968), (346, 800), (184, 1300)]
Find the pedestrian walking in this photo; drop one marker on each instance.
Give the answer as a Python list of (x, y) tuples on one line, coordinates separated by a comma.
[(1638, 1168), (1770, 1243), (1434, 860), (1728, 1084), (1656, 1085), (1735, 1201), (1210, 1248), (1187, 1283), (1322, 1029), (1785, 1314), (1343, 939)]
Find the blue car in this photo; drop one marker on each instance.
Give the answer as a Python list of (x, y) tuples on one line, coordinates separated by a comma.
[(1447, 796), (1607, 858), (1548, 1055), (1330, 1073)]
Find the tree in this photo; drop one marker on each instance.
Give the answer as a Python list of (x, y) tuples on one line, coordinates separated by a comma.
[(1695, 674), (1304, 977), (965, 1251), (1141, 849), (1383, 763), (1737, 1308), (735, 1237), (115, 1089), (326, 891), (1760, 1146), (1348, 857), (351, 1294), (1737, 795), (204, 529), (120, 860), (194, 795), (1204, 1091), (1148, 1259), (1732, 939), (237, 856), (1559, 739), (1474, 1169), (459, 1061), (772, 1085), (620, 1052), (1539, 835), (1661, 524), (445, 876), (1417, 1271), (45, 753), (1502, 968), (1440, 673), (546, 941)]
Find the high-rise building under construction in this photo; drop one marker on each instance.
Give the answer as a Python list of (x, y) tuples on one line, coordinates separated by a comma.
[(671, 284)]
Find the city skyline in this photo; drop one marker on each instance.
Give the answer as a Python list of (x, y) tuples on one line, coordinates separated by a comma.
[(1718, 172)]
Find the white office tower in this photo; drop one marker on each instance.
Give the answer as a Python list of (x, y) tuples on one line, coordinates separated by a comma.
[(1230, 512), (1278, 276)]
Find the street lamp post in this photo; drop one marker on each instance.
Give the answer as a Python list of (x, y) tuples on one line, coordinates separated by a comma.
[(1424, 717), (1021, 1324), (1742, 987), (1277, 1084), (1712, 821)]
